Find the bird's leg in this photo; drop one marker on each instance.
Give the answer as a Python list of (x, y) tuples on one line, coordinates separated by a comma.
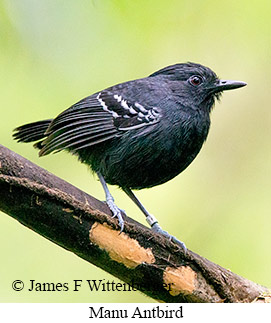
[(152, 220), (110, 202)]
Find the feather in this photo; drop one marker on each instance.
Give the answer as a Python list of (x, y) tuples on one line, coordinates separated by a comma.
[(96, 119)]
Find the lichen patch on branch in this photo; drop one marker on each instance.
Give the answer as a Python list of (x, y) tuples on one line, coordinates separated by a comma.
[(182, 280), (120, 247)]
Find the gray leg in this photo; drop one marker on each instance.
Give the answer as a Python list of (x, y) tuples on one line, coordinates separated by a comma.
[(152, 220), (110, 202)]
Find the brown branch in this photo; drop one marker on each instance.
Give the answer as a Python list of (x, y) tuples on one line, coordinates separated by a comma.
[(78, 222)]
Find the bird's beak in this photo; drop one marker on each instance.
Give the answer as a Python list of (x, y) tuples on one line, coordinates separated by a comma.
[(223, 85)]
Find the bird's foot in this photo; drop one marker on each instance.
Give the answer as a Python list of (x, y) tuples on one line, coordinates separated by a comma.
[(116, 212), (157, 228)]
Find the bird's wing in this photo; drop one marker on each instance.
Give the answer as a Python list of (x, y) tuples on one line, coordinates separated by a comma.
[(96, 119), (128, 115)]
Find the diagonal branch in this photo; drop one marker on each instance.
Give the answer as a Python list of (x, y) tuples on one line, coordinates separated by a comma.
[(81, 224)]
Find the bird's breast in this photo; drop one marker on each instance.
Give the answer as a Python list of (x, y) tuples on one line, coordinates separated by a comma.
[(141, 161)]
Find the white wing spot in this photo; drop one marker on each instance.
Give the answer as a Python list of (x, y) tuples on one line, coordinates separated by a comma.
[(140, 107), (105, 107), (124, 104), (118, 97)]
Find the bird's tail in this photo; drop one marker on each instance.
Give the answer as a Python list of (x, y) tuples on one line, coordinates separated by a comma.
[(32, 132)]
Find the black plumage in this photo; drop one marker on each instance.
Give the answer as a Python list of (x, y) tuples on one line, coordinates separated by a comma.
[(140, 133)]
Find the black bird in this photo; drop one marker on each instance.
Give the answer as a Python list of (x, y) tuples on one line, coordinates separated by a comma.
[(136, 134)]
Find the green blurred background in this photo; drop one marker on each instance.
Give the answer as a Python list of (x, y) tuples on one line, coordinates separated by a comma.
[(53, 53)]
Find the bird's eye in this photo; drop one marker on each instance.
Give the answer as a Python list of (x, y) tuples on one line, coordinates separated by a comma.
[(195, 80)]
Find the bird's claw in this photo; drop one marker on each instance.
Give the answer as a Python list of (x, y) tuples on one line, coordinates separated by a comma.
[(116, 212), (156, 227)]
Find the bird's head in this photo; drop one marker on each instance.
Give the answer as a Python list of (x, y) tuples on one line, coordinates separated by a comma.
[(196, 85)]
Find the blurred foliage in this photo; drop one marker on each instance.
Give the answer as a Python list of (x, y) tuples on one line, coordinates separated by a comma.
[(53, 53)]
